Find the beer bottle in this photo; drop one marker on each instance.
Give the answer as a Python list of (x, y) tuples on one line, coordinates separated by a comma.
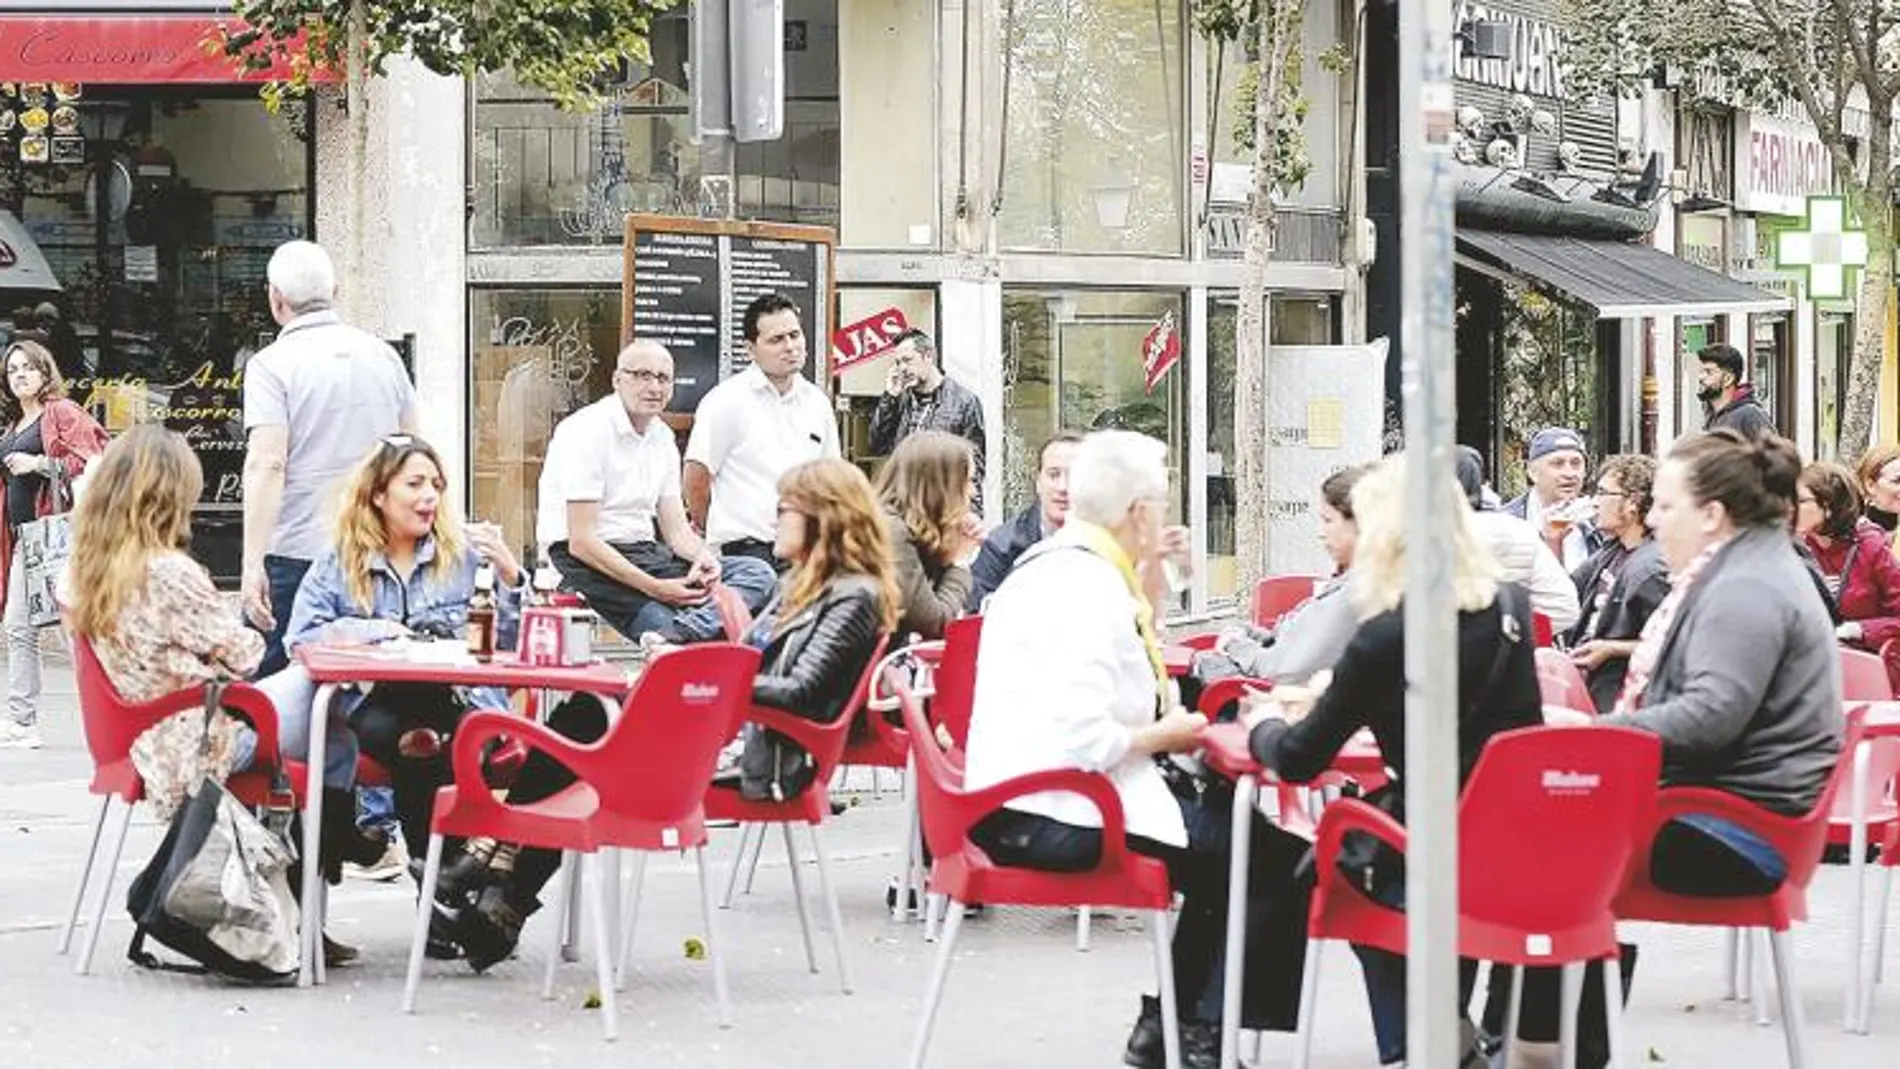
[(481, 612)]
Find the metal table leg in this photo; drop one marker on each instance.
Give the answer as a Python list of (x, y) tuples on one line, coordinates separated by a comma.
[(1233, 961), (313, 836)]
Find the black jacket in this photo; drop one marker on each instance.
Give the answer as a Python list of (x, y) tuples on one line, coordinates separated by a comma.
[(1641, 582), (999, 553), (1368, 690), (813, 665), (953, 408), (1744, 414)]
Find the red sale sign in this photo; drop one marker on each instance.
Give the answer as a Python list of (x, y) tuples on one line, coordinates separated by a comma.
[(854, 343), (1160, 350)]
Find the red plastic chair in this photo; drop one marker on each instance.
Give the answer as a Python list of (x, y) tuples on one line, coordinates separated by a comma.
[(1799, 841), (112, 724), (1870, 978), (1277, 595), (1877, 767), (1864, 677), (962, 872), (641, 788), (1543, 634), (1561, 683), (1587, 791), (825, 743)]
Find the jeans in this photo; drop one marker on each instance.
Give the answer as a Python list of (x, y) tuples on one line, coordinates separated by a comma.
[(376, 808), (583, 719), (294, 695), (1707, 857), (285, 575), (23, 649), (632, 613), (755, 549), (380, 722)]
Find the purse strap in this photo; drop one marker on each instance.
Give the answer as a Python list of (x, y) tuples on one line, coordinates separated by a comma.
[(281, 803)]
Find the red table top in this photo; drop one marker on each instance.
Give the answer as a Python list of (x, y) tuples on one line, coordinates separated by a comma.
[(374, 664), (1179, 659), (1228, 754)]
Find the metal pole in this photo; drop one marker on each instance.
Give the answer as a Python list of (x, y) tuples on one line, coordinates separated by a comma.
[(1431, 647)]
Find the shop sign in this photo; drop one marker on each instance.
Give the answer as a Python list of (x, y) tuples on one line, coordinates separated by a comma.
[(1536, 66), (119, 49), (1701, 240), (1160, 350), (1779, 164), (1226, 232), (871, 336)]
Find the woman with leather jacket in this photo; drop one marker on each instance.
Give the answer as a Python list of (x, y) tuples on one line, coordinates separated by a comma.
[(818, 636)]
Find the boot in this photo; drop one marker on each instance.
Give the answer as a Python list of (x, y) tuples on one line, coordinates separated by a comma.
[(1144, 1043), (343, 840), (492, 927)]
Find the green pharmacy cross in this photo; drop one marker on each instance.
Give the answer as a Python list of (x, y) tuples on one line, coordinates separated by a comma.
[(1828, 249)]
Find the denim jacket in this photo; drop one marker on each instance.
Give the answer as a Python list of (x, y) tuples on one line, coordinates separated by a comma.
[(325, 611)]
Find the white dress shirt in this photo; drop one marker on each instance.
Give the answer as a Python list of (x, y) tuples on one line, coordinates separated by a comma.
[(1064, 681), (596, 455), (747, 434)]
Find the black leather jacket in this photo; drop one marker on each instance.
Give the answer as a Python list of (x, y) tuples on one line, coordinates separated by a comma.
[(813, 665)]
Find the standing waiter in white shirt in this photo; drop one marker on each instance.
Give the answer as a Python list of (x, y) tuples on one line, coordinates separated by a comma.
[(752, 428)]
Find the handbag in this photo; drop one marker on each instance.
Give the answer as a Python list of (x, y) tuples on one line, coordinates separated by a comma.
[(46, 544), (218, 889)]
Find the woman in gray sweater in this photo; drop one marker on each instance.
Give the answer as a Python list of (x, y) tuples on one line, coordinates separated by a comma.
[(1737, 670)]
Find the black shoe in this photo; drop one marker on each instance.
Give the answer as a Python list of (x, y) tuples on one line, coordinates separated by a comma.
[(444, 944), (491, 928), (343, 840), (460, 879), (336, 954), (1144, 1043), (1200, 1045)]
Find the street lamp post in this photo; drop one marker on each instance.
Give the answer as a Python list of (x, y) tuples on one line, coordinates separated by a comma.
[(1426, 116)]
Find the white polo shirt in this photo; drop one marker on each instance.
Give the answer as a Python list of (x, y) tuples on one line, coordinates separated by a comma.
[(596, 455), (748, 434)]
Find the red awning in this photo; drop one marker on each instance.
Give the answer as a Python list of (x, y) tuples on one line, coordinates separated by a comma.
[(117, 50)]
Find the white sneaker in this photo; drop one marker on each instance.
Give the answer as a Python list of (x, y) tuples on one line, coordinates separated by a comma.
[(393, 863), (17, 736)]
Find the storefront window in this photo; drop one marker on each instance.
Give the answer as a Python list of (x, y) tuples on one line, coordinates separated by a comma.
[(1551, 377), (1297, 319), (543, 176), (1093, 163), (862, 385), (145, 232), (538, 355), (1833, 348), (1771, 361), (1072, 360)]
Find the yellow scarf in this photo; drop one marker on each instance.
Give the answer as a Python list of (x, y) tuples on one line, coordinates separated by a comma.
[(1098, 541)]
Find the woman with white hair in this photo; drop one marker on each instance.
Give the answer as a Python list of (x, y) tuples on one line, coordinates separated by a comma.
[(1070, 676), (1497, 691)]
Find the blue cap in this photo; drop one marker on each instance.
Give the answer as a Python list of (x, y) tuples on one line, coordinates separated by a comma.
[(1555, 440)]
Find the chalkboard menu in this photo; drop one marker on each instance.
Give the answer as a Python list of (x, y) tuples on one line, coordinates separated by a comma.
[(687, 282)]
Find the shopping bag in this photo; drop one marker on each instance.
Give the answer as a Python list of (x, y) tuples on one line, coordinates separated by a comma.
[(46, 544)]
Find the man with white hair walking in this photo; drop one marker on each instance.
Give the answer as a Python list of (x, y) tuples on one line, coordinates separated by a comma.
[(315, 401)]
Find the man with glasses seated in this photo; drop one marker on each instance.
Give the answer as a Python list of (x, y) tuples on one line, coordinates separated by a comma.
[(613, 521)]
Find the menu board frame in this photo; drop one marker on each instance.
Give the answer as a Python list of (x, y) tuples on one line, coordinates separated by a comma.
[(726, 236)]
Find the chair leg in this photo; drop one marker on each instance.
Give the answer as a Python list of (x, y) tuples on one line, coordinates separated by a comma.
[(1732, 964), (321, 915), (900, 902), (630, 917), (738, 862), (598, 908), (1745, 968), (1857, 865), (1514, 1015), (833, 914), (713, 944), (425, 907), (570, 871), (798, 893), (752, 866), (1082, 919), (1758, 975), (1164, 968), (85, 875), (1309, 1006), (1794, 1028), (933, 993), (1613, 1010), (576, 904), (1236, 934), (611, 866), (1873, 978), (933, 916), (84, 964), (1570, 988)]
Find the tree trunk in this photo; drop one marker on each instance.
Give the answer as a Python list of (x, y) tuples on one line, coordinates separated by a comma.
[(356, 83), (1279, 26), (1876, 283)]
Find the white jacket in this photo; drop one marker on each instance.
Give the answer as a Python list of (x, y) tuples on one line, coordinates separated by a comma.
[(1527, 560)]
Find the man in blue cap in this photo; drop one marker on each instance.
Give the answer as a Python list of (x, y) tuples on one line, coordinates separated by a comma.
[(1558, 462)]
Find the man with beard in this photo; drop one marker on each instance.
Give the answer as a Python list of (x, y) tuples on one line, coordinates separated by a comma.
[(1730, 401)]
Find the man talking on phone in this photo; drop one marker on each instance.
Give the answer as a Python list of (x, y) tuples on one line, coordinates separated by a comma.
[(918, 396), (614, 522)]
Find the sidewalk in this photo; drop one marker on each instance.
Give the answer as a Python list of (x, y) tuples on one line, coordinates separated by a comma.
[(1020, 994)]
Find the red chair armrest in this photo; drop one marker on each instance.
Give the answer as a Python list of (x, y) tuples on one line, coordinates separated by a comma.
[(883, 700), (257, 708), (478, 727), (1352, 814), (1092, 786), (1230, 689)]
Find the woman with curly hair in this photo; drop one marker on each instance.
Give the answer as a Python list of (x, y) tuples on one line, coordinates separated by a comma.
[(926, 489), (817, 635)]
